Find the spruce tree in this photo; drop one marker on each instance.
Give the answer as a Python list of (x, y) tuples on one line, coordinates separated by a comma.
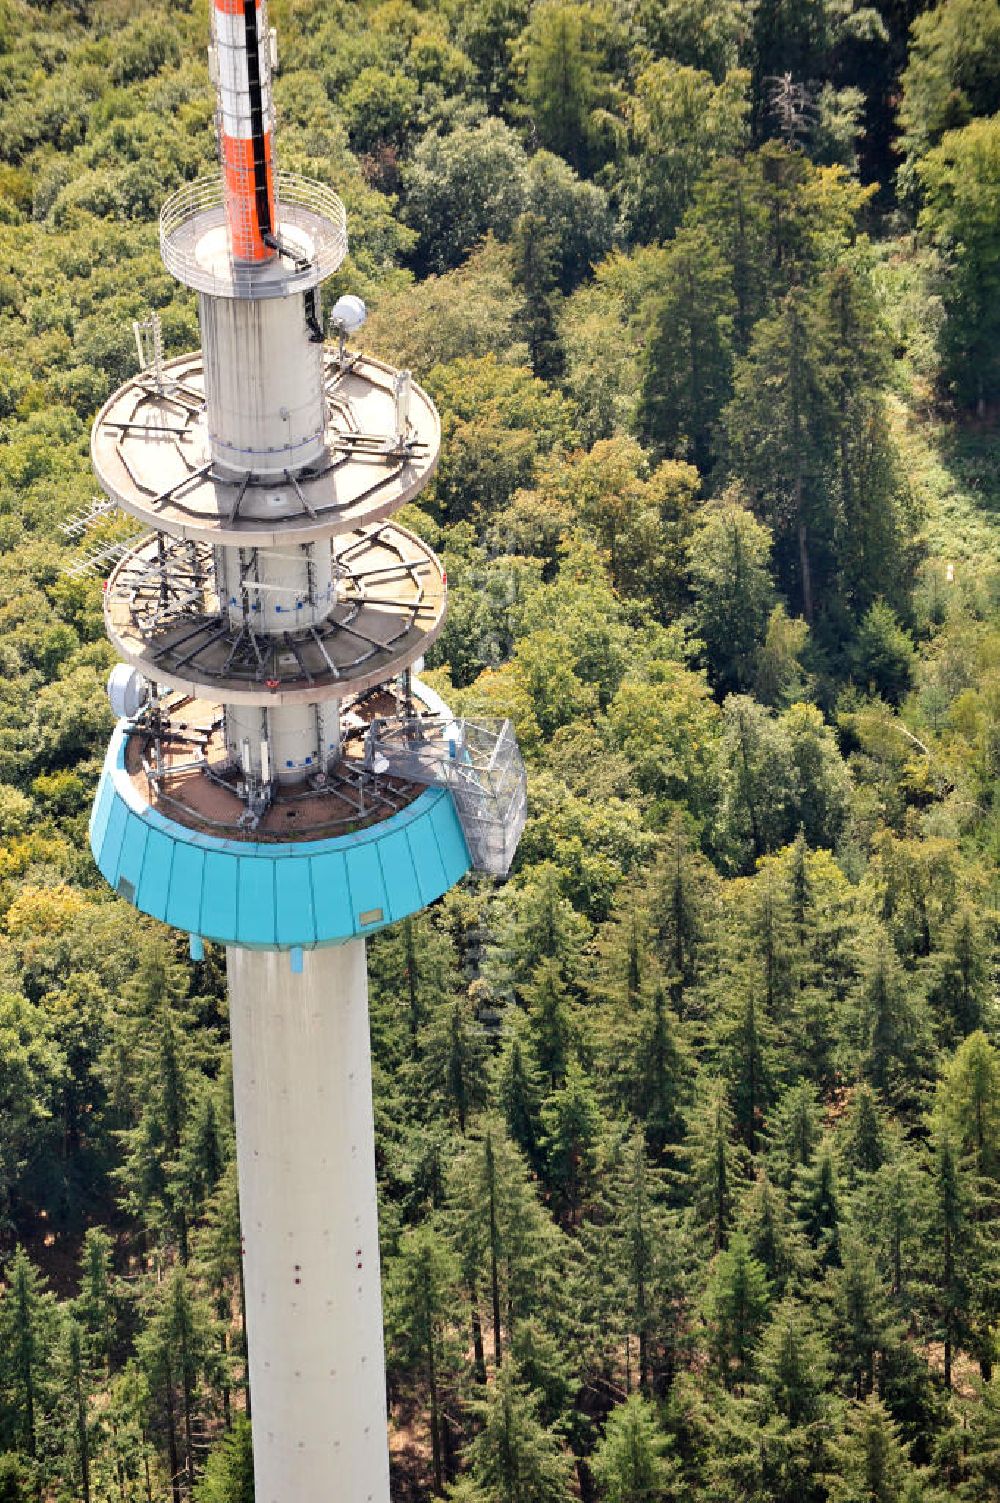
[(735, 1306), (871, 1465), (715, 1165), (514, 1458), (519, 1095), (501, 1234), (571, 1128), (421, 1286), (228, 1475), (28, 1342), (631, 1464), (689, 355), (862, 1327), (454, 1060)]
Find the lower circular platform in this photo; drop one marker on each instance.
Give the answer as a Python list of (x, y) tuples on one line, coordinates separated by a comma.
[(287, 894), (162, 613)]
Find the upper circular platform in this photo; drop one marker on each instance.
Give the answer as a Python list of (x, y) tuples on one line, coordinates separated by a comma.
[(195, 241), (150, 451)]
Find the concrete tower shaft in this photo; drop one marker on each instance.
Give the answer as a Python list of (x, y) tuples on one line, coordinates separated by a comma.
[(264, 397), (302, 1093)]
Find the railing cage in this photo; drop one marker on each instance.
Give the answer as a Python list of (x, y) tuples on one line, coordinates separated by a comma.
[(301, 203), (479, 761)]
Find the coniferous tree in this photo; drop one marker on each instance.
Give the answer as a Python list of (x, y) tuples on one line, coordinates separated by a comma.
[(647, 1068), (175, 1351), (413, 961), (863, 1328), (549, 1022), (677, 910), (97, 1305), (772, 1235), (960, 987), (890, 1026), (818, 1204), (536, 268), (79, 1396), (454, 1060), (870, 1463), (519, 1095), (894, 1200), (736, 1304), (744, 1039), (980, 1464), (28, 1341), (631, 1464), (421, 1285), (794, 1132), (228, 1475), (949, 1253), (571, 1127), (864, 1141), (795, 1408), (729, 559), (688, 358), (501, 1233), (783, 454), (514, 1458), (162, 1080), (968, 1104), (714, 1163), (219, 1257)]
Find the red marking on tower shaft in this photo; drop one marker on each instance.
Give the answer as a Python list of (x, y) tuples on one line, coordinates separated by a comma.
[(245, 125)]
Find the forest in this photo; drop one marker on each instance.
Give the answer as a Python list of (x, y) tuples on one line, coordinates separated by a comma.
[(688, 1134)]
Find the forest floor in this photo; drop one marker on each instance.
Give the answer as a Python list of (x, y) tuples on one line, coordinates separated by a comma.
[(955, 471), (952, 461)]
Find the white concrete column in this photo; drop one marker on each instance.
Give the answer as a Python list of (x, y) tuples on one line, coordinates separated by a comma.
[(264, 394), (305, 1149)]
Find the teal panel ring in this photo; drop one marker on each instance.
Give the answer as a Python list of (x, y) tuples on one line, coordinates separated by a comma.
[(264, 895)]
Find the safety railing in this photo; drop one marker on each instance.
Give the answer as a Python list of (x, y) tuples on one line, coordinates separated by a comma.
[(479, 761), (303, 205)]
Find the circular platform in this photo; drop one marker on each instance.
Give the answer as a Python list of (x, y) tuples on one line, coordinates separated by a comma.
[(197, 783), (150, 451), (273, 894), (164, 617), (293, 882), (195, 240)]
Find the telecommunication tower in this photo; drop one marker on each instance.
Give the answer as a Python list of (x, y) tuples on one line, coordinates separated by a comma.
[(279, 781)]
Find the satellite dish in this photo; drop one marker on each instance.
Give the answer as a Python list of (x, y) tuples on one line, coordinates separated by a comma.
[(348, 314), (128, 691)]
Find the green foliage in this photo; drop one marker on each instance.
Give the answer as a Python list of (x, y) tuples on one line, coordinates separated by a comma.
[(630, 1464), (951, 76), (736, 1304), (563, 80), (730, 554), (462, 184), (514, 1459), (679, 121), (688, 361), (228, 1475), (960, 180)]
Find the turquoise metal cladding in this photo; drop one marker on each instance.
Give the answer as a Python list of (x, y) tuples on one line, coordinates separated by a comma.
[(270, 896)]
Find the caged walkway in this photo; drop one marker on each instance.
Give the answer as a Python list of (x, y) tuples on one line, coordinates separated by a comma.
[(479, 762)]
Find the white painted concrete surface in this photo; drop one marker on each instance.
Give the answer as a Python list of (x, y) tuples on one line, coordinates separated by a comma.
[(306, 1158)]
